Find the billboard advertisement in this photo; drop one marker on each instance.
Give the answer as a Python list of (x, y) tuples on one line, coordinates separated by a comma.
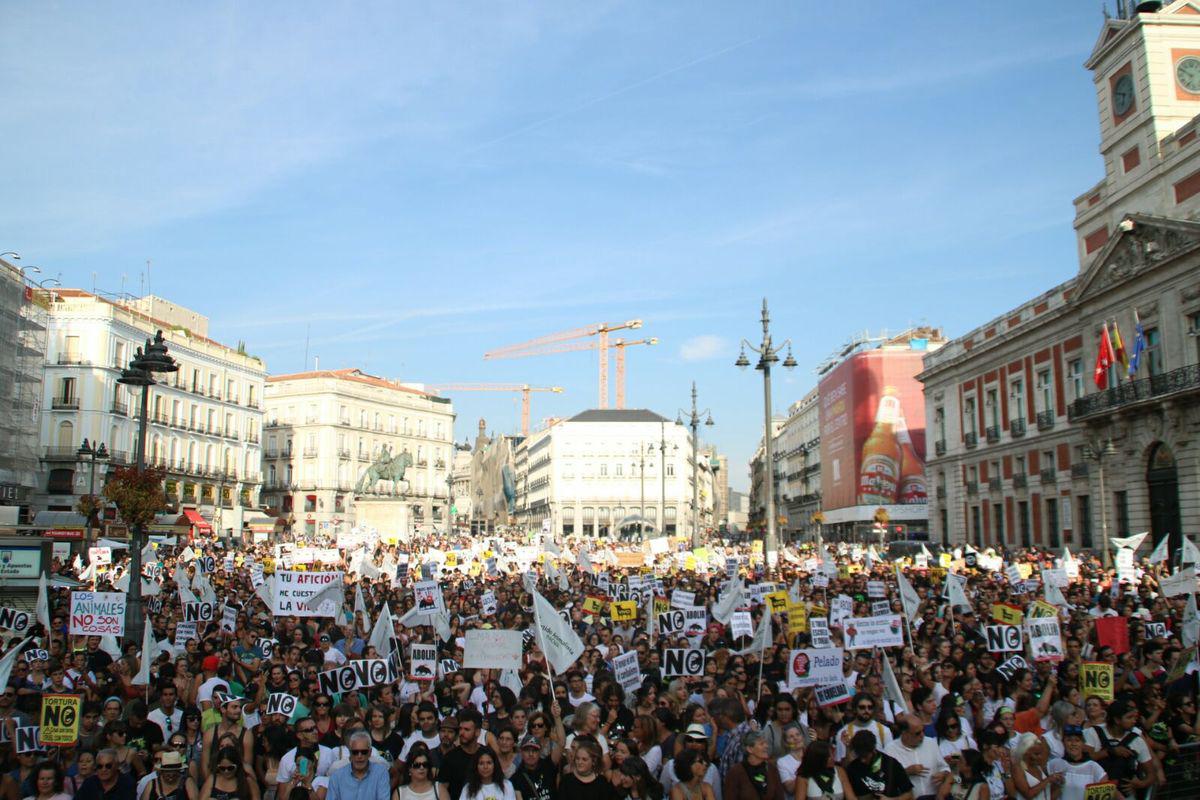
[(872, 417)]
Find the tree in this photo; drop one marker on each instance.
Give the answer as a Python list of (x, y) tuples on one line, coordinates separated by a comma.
[(138, 496)]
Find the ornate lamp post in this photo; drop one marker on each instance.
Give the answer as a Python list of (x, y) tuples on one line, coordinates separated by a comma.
[(153, 358), (768, 354), (91, 453), (694, 423)]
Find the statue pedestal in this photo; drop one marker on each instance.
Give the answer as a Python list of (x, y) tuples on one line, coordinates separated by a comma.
[(391, 516)]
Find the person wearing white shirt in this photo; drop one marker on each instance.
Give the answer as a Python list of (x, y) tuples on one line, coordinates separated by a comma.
[(863, 720), (331, 654), (920, 757), (1076, 767), (288, 773), (167, 716)]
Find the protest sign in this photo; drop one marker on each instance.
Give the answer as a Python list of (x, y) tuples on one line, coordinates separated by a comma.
[(876, 590), (1003, 638), (818, 632), (359, 674), (492, 649), (60, 719), (797, 618), (100, 556), (1155, 630), (1007, 614), (1041, 610), (488, 604), (1011, 667), (623, 610), (1096, 680), (281, 703), (866, 633), (1104, 790), (266, 647), (1182, 582), (776, 601), (1113, 632), (199, 612), (294, 589), (1055, 577), (14, 620), (880, 608), (682, 599), (28, 739), (229, 619), (681, 663), (183, 632), (422, 661), (832, 695), (740, 625), (695, 620), (814, 667), (670, 621), (1045, 640), (97, 614), (625, 670), (36, 655)]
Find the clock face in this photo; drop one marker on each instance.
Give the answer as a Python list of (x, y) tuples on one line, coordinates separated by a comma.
[(1187, 72), (1122, 95)]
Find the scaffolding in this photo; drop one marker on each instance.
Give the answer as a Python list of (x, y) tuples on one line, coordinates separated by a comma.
[(23, 334)]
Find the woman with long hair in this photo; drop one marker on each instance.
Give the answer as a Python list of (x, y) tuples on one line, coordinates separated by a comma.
[(506, 750), (789, 762), (645, 734), (419, 784), (818, 778), (386, 741), (1030, 777), (690, 768), (969, 781), (585, 781), (48, 782), (951, 738), (635, 782), (485, 781), (229, 779)]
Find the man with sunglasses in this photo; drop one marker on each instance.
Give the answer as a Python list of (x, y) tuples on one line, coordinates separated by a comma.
[(108, 783), (294, 767), (864, 720)]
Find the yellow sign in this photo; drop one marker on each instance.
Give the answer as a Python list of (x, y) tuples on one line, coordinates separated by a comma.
[(778, 601), (593, 604), (945, 560), (701, 553), (818, 611), (451, 559), (661, 605), (1100, 791), (1006, 614), (623, 610), (689, 563), (797, 618), (1096, 680), (1025, 570), (1042, 610), (938, 574), (268, 566), (60, 719)]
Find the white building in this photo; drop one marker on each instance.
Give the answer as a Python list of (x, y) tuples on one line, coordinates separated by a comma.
[(588, 473), (325, 428), (205, 419), (798, 460)]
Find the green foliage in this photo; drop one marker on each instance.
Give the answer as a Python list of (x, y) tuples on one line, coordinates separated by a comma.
[(138, 496)]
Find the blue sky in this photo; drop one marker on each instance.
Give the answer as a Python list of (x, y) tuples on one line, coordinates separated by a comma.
[(418, 183)]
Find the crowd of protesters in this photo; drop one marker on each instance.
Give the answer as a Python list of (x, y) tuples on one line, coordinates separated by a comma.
[(963, 724)]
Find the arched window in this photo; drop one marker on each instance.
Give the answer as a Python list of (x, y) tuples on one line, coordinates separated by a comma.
[(66, 434)]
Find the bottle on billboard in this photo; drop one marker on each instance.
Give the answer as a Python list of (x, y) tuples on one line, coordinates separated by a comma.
[(879, 478), (912, 468)]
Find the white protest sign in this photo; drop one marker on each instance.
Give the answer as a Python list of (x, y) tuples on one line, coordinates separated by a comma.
[(494, 649), (422, 662), (818, 632), (740, 624), (1003, 638), (876, 590), (865, 633), (358, 674), (183, 632), (293, 589), (880, 608), (100, 556), (625, 669), (199, 612), (487, 604), (229, 619), (814, 667), (1045, 640), (97, 614), (670, 621), (429, 597), (1055, 577), (1181, 583), (695, 620), (14, 620), (682, 599), (265, 646), (280, 703), (832, 695), (680, 663)]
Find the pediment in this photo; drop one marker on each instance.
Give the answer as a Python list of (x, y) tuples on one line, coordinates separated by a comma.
[(1141, 243), (1111, 30)]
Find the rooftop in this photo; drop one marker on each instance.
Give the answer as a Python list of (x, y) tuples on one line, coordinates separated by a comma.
[(617, 415), (354, 376)]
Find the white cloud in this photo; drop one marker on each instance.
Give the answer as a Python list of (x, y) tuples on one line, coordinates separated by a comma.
[(702, 348)]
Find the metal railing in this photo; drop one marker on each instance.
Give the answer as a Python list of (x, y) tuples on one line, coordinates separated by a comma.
[(1045, 420), (1016, 427), (1181, 771), (993, 434), (994, 484), (65, 403), (970, 439), (1049, 475), (1020, 480), (1079, 470), (939, 447), (1184, 379)]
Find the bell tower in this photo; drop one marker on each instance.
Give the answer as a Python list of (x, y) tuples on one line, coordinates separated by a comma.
[(1146, 69)]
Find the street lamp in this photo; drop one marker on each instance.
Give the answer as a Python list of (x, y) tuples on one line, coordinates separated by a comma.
[(694, 423), (92, 453), (768, 354), (153, 358), (1099, 453), (15, 255)]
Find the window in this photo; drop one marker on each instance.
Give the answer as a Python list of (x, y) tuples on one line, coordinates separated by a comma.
[(1019, 465), (66, 390), (72, 348), (1121, 500), (976, 526), (1052, 522), (1047, 460), (998, 522), (1154, 355), (969, 415), (1045, 389), (620, 470), (1016, 394), (670, 470), (939, 424), (1075, 378), (119, 358), (1194, 332), (972, 474), (604, 470), (1085, 520), (1023, 519), (993, 408)]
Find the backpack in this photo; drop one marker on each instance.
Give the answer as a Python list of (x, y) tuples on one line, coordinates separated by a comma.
[(1118, 769)]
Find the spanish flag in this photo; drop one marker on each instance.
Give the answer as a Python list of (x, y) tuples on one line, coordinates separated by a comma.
[(1119, 347)]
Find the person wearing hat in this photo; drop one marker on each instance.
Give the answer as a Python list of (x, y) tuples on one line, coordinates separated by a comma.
[(536, 775), (695, 739), (211, 679), (169, 780), (329, 653)]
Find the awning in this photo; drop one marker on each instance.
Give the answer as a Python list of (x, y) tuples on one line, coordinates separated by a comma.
[(193, 517)]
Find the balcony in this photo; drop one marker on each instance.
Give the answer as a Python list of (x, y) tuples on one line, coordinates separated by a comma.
[(940, 492), (65, 404), (310, 452), (345, 421), (1045, 420), (992, 432), (1016, 427), (118, 407), (252, 404), (972, 487), (270, 454), (271, 423), (72, 360), (970, 439), (939, 447), (1049, 475), (1020, 480), (993, 484), (61, 454), (1185, 380), (252, 438), (343, 454), (1080, 470)]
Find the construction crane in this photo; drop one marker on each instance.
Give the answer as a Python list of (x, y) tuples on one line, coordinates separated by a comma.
[(619, 345), (564, 342), (524, 389)]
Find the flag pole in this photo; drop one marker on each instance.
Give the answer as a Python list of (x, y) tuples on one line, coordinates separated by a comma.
[(763, 650)]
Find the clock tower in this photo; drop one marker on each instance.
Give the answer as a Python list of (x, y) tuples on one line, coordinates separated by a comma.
[(1146, 69)]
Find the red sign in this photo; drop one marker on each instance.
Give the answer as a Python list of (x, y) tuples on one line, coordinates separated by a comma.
[(75, 535), (872, 418)]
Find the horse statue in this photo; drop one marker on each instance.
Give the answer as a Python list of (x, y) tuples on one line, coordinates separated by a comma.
[(387, 467)]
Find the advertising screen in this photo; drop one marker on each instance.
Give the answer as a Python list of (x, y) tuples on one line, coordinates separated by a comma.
[(872, 416)]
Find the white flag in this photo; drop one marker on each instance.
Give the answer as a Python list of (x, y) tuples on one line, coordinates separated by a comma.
[(794, 592), (334, 592), (43, 608), (509, 678), (733, 597), (266, 592), (441, 624), (958, 598), (360, 607), (1054, 596), (556, 638), (383, 632), (908, 595), (1132, 542), (109, 645), (1162, 551), (10, 658), (1190, 629), (550, 546), (563, 584), (891, 686), (1191, 553), (143, 674), (585, 563), (762, 635)]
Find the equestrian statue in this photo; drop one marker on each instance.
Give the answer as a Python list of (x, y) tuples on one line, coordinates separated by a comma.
[(387, 467)]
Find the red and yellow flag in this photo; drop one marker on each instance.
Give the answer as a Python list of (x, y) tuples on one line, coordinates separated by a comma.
[(1119, 347)]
